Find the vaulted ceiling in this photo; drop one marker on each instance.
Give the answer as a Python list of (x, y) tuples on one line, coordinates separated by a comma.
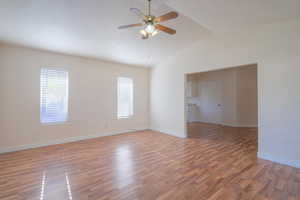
[(89, 27), (228, 15)]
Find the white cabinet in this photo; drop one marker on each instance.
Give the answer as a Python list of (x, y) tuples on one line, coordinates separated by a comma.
[(192, 88)]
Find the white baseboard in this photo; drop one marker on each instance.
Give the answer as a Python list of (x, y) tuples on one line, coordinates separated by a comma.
[(292, 163), (168, 133), (66, 140), (227, 124), (240, 125)]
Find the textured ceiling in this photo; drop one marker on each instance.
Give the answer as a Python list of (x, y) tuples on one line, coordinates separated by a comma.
[(89, 27), (228, 15)]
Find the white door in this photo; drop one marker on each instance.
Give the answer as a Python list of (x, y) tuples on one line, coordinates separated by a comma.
[(210, 101)]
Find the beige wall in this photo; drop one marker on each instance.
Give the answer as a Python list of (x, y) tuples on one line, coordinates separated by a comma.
[(275, 48), (92, 98), (246, 96), (226, 83), (237, 96)]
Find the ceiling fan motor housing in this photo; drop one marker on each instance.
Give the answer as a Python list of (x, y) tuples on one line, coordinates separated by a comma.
[(150, 20)]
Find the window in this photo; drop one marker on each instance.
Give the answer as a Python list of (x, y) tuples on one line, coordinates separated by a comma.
[(54, 96), (125, 97)]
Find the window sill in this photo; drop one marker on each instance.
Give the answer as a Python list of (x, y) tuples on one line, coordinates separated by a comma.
[(129, 117), (55, 123)]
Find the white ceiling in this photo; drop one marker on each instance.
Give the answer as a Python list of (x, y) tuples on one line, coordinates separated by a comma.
[(89, 27), (228, 15)]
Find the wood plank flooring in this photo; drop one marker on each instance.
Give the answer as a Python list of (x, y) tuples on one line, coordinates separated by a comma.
[(214, 163)]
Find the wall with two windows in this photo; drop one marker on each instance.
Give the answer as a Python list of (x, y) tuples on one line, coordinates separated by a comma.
[(50, 98)]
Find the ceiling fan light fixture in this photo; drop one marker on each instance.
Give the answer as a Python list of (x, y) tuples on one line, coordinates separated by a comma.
[(149, 31), (150, 28), (143, 33), (155, 32), (151, 23)]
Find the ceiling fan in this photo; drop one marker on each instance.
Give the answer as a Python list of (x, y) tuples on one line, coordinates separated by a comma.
[(151, 23)]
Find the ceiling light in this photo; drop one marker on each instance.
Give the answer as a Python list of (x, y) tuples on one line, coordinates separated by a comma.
[(144, 34), (150, 28), (154, 32), (149, 31)]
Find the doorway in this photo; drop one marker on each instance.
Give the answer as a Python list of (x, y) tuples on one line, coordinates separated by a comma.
[(221, 99)]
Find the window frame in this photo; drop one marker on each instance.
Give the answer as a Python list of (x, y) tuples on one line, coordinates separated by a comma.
[(67, 95), (132, 97)]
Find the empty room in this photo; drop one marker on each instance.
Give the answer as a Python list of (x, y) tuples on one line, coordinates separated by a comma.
[(149, 99)]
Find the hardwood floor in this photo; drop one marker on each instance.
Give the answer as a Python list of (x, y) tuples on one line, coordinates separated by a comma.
[(214, 163)]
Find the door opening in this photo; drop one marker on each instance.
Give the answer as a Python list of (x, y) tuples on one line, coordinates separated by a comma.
[(226, 98)]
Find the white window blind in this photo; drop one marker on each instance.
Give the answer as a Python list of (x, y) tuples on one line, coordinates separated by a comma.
[(125, 97), (54, 95)]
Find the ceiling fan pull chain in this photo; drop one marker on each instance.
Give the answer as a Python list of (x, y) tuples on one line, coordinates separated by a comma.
[(149, 7)]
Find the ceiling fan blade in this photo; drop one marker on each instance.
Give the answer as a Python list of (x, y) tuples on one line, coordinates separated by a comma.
[(165, 29), (168, 16), (130, 26), (138, 12)]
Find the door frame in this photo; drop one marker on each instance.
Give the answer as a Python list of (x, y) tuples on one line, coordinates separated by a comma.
[(185, 108)]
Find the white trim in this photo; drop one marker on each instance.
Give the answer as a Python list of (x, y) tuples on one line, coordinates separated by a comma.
[(168, 133), (293, 163), (240, 125), (66, 140), (227, 124)]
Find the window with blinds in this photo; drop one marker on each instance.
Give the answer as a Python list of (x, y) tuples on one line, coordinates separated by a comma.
[(54, 95), (125, 97)]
